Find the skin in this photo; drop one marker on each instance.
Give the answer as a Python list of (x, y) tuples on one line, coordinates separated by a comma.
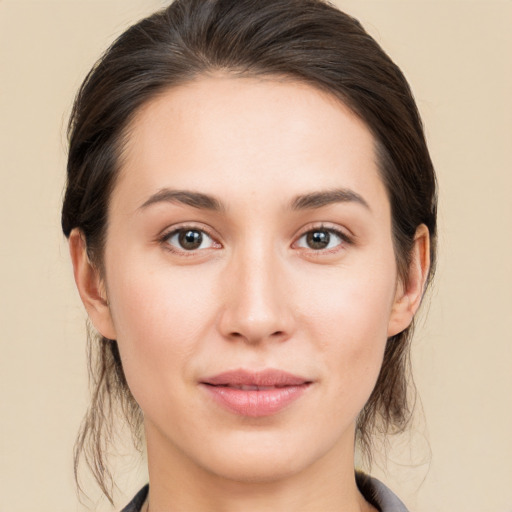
[(254, 295)]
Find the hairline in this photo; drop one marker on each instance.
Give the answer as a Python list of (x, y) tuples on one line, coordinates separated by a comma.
[(122, 140)]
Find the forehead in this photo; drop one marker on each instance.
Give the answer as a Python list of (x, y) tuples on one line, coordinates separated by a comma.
[(272, 136)]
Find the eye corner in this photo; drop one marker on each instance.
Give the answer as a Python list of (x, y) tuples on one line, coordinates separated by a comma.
[(188, 240), (323, 239)]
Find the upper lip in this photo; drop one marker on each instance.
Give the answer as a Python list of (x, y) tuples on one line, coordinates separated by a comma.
[(267, 377)]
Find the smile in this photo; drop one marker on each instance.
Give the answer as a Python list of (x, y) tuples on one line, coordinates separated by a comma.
[(255, 394)]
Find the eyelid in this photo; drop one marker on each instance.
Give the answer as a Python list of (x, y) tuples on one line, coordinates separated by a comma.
[(346, 239), (192, 226)]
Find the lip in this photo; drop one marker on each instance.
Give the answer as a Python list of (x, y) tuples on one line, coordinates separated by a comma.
[(255, 394)]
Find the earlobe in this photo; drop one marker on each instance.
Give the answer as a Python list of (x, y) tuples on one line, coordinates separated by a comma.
[(408, 295), (90, 286)]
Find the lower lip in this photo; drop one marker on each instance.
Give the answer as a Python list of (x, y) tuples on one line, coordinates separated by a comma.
[(255, 403)]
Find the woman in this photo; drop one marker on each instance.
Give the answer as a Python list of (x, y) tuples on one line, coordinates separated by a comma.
[(251, 212)]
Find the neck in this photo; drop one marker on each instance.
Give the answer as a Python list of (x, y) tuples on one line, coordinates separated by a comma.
[(177, 483)]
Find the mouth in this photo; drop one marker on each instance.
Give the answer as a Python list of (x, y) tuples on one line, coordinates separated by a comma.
[(248, 387), (255, 394)]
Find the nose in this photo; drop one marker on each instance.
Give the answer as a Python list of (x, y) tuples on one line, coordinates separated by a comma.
[(257, 303)]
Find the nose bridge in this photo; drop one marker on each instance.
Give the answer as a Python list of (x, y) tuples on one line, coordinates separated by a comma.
[(256, 304)]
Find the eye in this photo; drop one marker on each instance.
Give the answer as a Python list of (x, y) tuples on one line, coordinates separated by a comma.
[(189, 239), (321, 239)]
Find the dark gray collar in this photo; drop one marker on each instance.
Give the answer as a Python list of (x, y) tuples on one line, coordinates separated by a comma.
[(376, 493)]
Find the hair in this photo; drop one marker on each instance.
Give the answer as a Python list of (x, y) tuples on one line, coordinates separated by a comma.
[(309, 41)]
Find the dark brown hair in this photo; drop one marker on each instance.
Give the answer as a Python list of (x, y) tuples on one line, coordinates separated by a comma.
[(306, 40)]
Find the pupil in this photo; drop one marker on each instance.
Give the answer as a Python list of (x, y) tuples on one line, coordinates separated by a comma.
[(318, 239), (190, 239)]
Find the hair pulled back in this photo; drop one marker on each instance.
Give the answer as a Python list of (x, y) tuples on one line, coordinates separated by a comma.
[(306, 40)]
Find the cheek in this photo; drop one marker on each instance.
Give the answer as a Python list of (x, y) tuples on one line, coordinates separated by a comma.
[(349, 319), (156, 315), (354, 305)]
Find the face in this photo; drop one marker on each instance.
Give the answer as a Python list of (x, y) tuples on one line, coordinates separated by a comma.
[(250, 273)]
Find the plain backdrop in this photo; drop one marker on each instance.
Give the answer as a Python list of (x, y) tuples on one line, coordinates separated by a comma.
[(457, 56)]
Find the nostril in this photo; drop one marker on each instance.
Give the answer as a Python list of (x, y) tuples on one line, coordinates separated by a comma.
[(274, 335)]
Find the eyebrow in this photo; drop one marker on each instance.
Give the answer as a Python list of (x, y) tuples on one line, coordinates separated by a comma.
[(187, 197), (324, 198), (202, 201)]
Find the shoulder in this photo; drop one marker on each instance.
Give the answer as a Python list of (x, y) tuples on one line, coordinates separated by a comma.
[(376, 493), (136, 504)]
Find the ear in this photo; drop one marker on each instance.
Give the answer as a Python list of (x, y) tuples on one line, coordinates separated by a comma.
[(90, 286), (408, 295)]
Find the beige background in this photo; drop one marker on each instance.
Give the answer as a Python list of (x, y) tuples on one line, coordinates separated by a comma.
[(458, 58)]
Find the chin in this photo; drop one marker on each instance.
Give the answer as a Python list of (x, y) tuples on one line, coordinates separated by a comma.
[(261, 458), (261, 468)]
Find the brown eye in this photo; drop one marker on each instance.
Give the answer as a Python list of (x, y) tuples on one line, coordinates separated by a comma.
[(190, 240), (319, 239)]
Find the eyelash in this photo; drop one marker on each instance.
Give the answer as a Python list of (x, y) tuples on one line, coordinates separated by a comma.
[(343, 237), (164, 239)]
